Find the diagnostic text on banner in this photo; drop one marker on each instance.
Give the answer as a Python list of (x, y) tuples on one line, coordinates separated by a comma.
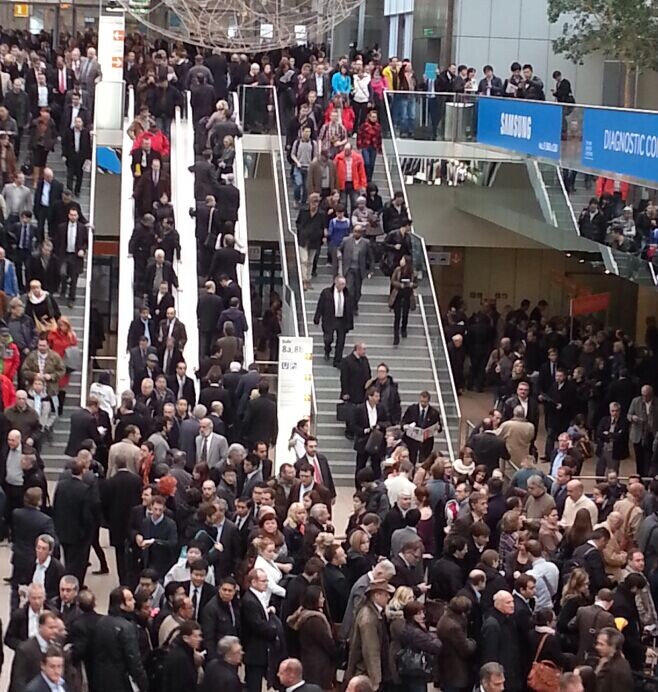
[(294, 389), (520, 125), (622, 142)]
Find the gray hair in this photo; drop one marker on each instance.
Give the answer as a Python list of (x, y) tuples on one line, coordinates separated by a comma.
[(518, 413), (48, 540), (386, 566), (221, 503), (316, 509), (71, 581), (225, 644), (535, 481), (199, 411), (236, 447), (35, 588), (490, 669)]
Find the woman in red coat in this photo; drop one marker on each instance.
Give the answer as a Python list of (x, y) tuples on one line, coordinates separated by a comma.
[(60, 339)]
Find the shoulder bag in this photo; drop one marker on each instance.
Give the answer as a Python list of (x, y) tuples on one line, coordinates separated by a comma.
[(544, 676)]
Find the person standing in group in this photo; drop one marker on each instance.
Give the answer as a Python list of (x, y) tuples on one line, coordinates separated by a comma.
[(357, 258), (311, 224), (369, 141), (401, 298)]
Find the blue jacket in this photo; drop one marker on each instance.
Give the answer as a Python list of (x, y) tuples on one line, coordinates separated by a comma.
[(338, 229), (10, 286), (341, 83)]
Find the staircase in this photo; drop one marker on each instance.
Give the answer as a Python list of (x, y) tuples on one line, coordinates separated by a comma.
[(53, 454), (409, 363)]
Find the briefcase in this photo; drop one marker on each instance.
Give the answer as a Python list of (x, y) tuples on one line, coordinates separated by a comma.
[(374, 443), (344, 411)]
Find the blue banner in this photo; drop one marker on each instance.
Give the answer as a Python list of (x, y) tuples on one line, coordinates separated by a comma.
[(623, 142), (524, 126)]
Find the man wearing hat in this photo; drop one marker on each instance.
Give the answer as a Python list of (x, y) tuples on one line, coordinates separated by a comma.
[(369, 638), (152, 370)]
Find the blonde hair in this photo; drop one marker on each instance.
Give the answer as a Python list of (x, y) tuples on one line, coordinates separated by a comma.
[(291, 521), (324, 540), (402, 596), (357, 538), (262, 542)]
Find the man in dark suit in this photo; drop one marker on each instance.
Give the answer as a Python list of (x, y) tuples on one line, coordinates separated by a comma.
[(548, 371), (74, 516), (611, 440), (422, 416), (76, 147), (27, 663), (138, 356), (306, 483), (244, 522), (44, 267), (228, 289), (47, 193), (528, 403), (409, 568), (336, 312), (84, 426), (25, 235), (181, 385), (158, 539), (70, 247), (260, 422), (221, 616), (358, 260), (215, 392), (74, 109), (228, 202), (216, 63), (170, 356), (28, 524), (197, 588), (318, 463), (119, 494), (370, 418), (290, 674), (259, 631), (559, 404), (159, 266), (488, 448), (143, 326), (320, 84), (18, 629), (205, 181), (150, 187), (61, 80), (225, 260), (171, 326), (209, 308)]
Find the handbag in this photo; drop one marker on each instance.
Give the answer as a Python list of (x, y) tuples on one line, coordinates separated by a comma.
[(374, 442), (344, 411), (73, 359), (544, 676), (413, 664)]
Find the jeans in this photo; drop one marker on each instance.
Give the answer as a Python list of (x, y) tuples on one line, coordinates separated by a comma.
[(349, 194), (407, 114), (299, 176), (164, 124), (369, 157), (401, 312)]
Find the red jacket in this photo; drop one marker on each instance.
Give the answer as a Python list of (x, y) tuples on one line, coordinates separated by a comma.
[(359, 180), (11, 363), (159, 142), (8, 391), (607, 186), (347, 118)]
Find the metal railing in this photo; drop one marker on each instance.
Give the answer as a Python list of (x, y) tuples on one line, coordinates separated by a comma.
[(437, 324), (182, 190), (242, 238), (538, 185), (126, 263), (84, 374)]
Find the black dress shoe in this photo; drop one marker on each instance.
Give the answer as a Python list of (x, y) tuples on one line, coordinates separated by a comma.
[(404, 333), (396, 340), (103, 570), (327, 356)]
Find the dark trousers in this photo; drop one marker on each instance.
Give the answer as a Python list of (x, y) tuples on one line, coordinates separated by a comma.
[(76, 557), (17, 143), (21, 259), (362, 461), (14, 495), (74, 171), (354, 281), (603, 465), (100, 553), (476, 372), (71, 267), (349, 194), (122, 567), (643, 452), (205, 343), (43, 216), (328, 335), (419, 451), (253, 677), (401, 314), (360, 114)]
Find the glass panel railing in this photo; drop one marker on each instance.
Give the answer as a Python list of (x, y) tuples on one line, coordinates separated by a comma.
[(437, 346)]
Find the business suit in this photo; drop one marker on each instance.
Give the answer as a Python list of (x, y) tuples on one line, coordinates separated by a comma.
[(533, 409), (71, 261), (90, 73), (26, 236), (420, 450), (28, 523), (174, 328), (149, 188), (259, 634), (357, 260), (225, 261), (143, 159), (84, 426), (642, 431), (68, 118), (362, 430), (215, 392), (207, 594), (168, 275), (491, 87), (209, 308), (488, 449), (76, 154), (325, 470), (611, 444), (43, 206), (320, 494), (18, 627), (185, 391), (205, 183), (26, 665), (216, 449), (260, 422), (74, 514), (119, 494), (137, 362), (559, 405), (325, 312)]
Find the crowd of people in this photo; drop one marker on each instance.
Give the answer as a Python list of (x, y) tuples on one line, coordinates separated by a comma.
[(230, 571)]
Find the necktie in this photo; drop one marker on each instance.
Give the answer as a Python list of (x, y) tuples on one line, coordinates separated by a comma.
[(155, 177), (62, 83), (204, 450), (421, 418), (317, 476), (24, 238), (230, 608), (195, 602)]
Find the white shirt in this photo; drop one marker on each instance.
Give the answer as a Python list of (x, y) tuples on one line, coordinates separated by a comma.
[(76, 140), (339, 303), (32, 623), (42, 96), (274, 576), (295, 686), (45, 194), (319, 86), (39, 576), (71, 235), (524, 405), (262, 596), (74, 114), (372, 414)]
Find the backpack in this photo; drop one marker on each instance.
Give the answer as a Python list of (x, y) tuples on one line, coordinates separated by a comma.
[(155, 662), (575, 561)]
